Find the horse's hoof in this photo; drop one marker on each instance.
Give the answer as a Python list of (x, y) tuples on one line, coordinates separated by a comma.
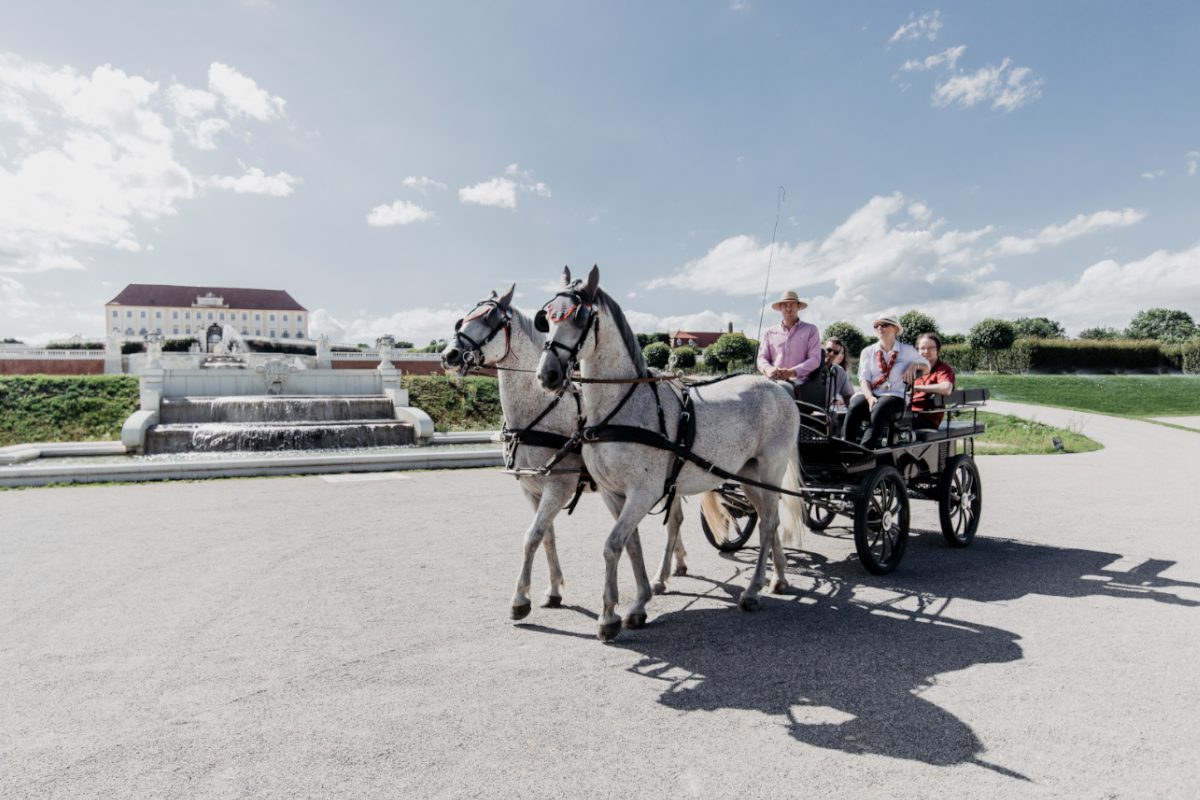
[(779, 587), (552, 601), (660, 587), (609, 631), (521, 611), (635, 621), (748, 603), (681, 570)]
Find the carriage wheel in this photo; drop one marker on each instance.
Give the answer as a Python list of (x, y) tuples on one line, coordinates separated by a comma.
[(737, 532), (881, 520), (960, 499), (818, 518)]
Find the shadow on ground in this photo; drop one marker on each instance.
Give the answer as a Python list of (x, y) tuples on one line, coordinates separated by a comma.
[(848, 674)]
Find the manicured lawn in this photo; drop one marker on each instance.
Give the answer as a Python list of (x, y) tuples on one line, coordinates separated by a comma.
[(1126, 395), (1008, 435)]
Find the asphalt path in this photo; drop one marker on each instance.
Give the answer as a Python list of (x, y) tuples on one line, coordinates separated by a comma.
[(349, 637)]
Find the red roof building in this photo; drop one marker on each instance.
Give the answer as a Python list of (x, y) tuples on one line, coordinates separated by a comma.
[(698, 340), (176, 311)]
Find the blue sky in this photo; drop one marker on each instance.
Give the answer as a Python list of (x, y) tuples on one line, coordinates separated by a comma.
[(390, 163)]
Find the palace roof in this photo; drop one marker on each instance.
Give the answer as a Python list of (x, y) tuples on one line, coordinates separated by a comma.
[(152, 294)]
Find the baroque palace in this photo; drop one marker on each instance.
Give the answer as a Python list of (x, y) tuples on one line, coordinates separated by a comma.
[(143, 308)]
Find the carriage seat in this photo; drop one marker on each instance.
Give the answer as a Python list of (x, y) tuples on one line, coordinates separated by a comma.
[(959, 399)]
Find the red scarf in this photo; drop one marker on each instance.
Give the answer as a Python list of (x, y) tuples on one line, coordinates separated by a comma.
[(886, 366)]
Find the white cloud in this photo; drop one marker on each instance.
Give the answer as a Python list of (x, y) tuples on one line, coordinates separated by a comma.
[(96, 157), (14, 301), (701, 322), (1007, 87), (255, 181), (947, 58), (502, 191), (400, 212), (1080, 225), (499, 192), (417, 325), (881, 259), (241, 95), (1153, 174), (1193, 161), (422, 184), (926, 26)]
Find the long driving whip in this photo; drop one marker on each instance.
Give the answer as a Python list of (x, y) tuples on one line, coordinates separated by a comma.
[(771, 258)]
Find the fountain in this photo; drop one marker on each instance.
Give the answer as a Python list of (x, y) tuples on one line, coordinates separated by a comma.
[(280, 404)]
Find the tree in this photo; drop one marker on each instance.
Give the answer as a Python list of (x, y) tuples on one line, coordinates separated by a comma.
[(915, 323), (685, 357), (434, 346), (404, 345), (954, 338), (850, 336), (1163, 324), (1038, 328), (656, 354), (730, 349), (992, 334), (648, 338), (1100, 333)]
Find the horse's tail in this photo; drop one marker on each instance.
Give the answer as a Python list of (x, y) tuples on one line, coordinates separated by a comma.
[(715, 514), (791, 508)]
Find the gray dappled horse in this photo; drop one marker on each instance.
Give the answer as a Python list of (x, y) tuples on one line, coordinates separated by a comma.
[(497, 334), (746, 425)]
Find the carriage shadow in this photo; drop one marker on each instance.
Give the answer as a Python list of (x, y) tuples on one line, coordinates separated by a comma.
[(842, 673)]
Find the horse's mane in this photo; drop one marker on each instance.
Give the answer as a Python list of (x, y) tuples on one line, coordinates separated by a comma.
[(526, 323), (627, 334)]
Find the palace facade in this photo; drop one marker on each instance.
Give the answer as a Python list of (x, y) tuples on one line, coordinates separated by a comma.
[(182, 311)]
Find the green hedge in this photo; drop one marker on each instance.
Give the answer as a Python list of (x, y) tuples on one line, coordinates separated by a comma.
[(43, 408), (1056, 356), (468, 404)]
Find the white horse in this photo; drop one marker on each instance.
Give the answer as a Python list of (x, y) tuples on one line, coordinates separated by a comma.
[(746, 425), (496, 334)]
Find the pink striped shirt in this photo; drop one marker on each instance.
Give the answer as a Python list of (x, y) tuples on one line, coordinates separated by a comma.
[(798, 348)]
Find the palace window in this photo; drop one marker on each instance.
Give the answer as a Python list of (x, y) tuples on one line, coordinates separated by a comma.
[(285, 334), (174, 315), (272, 334), (129, 331), (272, 318), (257, 317), (143, 315), (285, 317), (114, 312), (158, 315)]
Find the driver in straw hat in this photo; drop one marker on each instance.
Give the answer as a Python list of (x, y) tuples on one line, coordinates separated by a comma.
[(790, 351)]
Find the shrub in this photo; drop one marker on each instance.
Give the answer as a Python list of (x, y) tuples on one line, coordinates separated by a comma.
[(179, 345), (1100, 334), (1184, 357), (75, 345), (129, 348), (730, 350), (649, 338), (61, 408), (1068, 355), (685, 357), (991, 334), (1163, 324), (954, 338), (470, 403), (1038, 328), (268, 346), (851, 336), (915, 323), (657, 354)]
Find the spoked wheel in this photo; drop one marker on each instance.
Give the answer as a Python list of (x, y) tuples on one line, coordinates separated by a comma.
[(960, 500), (816, 517), (881, 521), (736, 531)]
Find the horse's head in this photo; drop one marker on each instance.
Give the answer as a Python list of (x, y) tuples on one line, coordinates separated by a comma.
[(570, 321), (474, 335)]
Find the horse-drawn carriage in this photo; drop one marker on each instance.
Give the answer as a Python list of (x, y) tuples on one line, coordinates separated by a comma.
[(873, 486)]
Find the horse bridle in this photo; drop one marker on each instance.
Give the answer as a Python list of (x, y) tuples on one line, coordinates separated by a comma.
[(585, 318), (472, 351)]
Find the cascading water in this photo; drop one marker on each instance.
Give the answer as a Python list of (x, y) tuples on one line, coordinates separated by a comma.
[(260, 423)]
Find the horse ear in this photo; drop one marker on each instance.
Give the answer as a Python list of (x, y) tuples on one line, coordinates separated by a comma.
[(506, 298), (593, 282), (540, 322), (566, 276)]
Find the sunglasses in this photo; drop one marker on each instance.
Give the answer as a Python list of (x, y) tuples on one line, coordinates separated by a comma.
[(832, 350), (880, 326)]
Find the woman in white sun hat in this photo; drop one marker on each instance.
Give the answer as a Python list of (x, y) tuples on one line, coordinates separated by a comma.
[(883, 370)]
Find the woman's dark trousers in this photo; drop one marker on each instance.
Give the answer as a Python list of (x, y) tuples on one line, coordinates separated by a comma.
[(878, 419)]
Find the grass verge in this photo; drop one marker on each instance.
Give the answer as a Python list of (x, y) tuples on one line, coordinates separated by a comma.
[(1123, 395), (1013, 436)]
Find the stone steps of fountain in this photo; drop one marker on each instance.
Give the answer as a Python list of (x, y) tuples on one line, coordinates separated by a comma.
[(292, 409), (269, 436)]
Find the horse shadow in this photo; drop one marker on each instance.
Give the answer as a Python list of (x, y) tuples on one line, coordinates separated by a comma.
[(846, 674)]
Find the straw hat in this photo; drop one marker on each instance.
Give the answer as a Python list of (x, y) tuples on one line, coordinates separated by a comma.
[(890, 321), (789, 296)]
